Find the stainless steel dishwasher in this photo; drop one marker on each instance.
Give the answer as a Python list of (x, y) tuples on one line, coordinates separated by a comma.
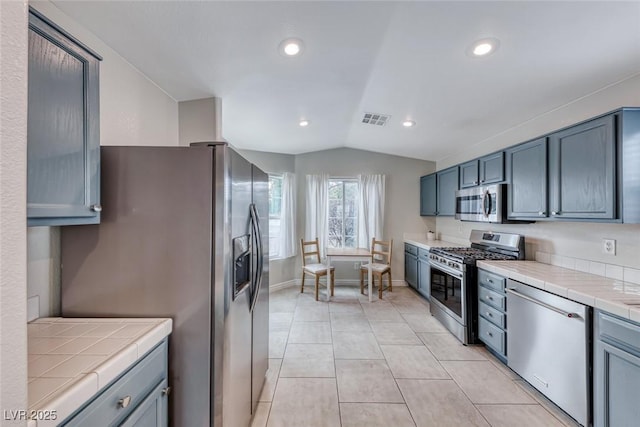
[(548, 345)]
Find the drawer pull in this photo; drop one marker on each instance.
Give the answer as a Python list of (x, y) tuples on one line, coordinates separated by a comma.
[(96, 208), (124, 402), (489, 280), (489, 298), (489, 314), (490, 334), (166, 391)]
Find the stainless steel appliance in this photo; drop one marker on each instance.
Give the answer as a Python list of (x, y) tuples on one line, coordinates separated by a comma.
[(481, 204), (454, 291), (548, 343), (184, 234)]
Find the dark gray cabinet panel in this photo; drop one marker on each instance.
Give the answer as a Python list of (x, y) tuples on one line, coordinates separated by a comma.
[(469, 174), (63, 152), (428, 195), (527, 174), (582, 181), (616, 372), (411, 270), (492, 168), (424, 273), (447, 185)]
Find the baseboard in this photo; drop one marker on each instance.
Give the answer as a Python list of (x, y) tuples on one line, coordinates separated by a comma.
[(283, 285)]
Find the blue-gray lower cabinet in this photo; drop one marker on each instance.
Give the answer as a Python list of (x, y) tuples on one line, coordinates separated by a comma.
[(424, 273), (492, 312), (411, 265), (63, 128), (137, 398), (616, 371)]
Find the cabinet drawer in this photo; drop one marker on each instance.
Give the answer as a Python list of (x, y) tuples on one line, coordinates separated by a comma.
[(494, 299), (423, 254), (494, 316), (136, 384), (413, 250), (492, 336), (491, 280), (618, 332)]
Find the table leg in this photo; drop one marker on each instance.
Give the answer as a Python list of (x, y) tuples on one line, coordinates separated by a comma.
[(370, 281), (328, 278)]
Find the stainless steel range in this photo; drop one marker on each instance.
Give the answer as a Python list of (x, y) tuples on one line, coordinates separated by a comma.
[(454, 291)]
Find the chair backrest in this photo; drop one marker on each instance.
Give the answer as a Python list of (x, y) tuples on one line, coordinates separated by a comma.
[(381, 250), (310, 249)]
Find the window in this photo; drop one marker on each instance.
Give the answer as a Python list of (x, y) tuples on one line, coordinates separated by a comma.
[(275, 209), (343, 213)]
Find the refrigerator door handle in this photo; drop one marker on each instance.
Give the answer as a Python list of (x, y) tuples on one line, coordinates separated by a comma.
[(255, 223)]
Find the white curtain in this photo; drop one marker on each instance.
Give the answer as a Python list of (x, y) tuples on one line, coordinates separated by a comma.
[(370, 209), (287, 237), (317, 210)]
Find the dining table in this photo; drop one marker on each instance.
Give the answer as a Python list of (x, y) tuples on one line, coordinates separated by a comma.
[(351, 254)]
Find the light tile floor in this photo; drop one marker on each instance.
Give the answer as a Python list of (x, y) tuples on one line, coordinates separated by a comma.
[(352, 363)]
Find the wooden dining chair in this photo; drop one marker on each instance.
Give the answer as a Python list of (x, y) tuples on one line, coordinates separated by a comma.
[(315, 268), (381, 265)]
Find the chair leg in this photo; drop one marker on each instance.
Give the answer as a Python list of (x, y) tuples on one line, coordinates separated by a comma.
[(333, 281), (302, 287), (380, 287), (390, 282), (361, 282), (317, 285)]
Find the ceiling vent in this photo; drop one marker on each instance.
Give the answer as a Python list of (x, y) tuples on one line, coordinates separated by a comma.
[(375, 119)]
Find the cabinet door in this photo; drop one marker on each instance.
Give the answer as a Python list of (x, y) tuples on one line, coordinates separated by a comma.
[(424, 278), (63, 147), (617, 375), (582, 181), (447, 183), (527, 172), (428, 195), (411, 270), (469, 174), (152, 411), (492, 168)]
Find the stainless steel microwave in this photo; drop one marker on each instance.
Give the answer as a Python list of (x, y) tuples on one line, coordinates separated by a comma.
[(482, 204)]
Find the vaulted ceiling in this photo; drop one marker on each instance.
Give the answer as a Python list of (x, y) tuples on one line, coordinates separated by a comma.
[(405, 59)]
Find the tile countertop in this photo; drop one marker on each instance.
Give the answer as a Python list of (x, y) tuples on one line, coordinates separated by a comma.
[(611, 295), (423, 243), (71, 359)]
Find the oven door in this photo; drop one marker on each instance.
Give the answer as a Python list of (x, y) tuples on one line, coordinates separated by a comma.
[(448, 291), (480, 204)]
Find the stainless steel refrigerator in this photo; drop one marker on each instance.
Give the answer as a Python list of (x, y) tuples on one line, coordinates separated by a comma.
[(184, 234)]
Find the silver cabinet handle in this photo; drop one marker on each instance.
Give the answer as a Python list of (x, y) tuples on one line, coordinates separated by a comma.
[(542, 304), (490, 334), (96, 208), (555, 213), (475, 182), (489, 280), (541, 213), (166, 391), (489, 298), (489, 314), (124, 402), (482, 180)]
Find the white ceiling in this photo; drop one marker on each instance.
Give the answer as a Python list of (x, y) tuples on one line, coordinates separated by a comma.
[(405, 59)]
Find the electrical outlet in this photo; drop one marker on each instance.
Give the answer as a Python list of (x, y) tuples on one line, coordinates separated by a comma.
[(356, 265), (609, 246)]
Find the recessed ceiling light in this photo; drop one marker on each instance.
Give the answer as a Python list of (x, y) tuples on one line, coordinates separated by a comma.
[(408, 123), (304, 123), (291, 47), (483, 47)]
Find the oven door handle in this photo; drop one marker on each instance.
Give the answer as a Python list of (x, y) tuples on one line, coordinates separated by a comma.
[(450, 271)]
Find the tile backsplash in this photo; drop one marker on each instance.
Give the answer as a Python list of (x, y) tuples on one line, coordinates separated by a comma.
[(611, 271)]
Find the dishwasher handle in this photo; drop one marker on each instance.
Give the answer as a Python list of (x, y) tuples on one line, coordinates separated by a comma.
[(545, 305)]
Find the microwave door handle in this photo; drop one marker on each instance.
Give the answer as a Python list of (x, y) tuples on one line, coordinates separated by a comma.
[(486, 207)]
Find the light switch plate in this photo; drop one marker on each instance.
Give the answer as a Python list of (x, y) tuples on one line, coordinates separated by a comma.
[(609, 246)]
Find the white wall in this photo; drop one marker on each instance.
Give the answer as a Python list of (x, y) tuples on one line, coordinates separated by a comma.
[(13, 207), (581, 240), (197, 121), (133, 111)]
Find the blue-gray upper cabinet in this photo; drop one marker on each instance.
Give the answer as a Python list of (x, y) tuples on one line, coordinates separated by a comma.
[(527, 175), (447, 185), (63, 148), (485, 170), (428, 199), (582, 172)]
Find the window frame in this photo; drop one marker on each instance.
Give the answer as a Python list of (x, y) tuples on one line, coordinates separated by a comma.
[(344, 180), (276, 176)]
